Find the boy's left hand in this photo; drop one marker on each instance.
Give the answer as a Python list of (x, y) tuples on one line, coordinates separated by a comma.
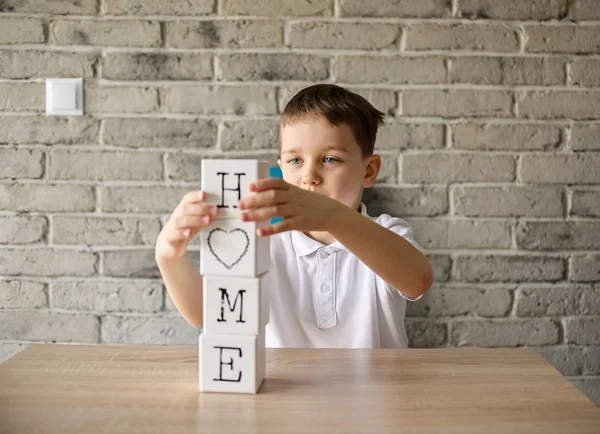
[(302, 210)]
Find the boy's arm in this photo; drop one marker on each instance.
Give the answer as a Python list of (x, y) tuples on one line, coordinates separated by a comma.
[(389, 255), (184, 284)]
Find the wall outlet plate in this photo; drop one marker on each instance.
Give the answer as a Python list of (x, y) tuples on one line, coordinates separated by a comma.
[(64, 96)]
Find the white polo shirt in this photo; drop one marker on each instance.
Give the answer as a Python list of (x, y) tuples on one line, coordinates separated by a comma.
[(323, 296)]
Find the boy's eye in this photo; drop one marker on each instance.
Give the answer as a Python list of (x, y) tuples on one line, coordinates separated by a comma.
[(294, 161), (330, 160)]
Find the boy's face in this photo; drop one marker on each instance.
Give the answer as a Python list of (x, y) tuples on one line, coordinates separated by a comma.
[(318, 156)]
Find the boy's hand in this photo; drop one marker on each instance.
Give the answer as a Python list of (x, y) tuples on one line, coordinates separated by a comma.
[(184, 224), (301, 210)]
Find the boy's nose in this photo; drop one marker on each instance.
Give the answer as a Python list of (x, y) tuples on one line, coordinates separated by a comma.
[(310, 179)]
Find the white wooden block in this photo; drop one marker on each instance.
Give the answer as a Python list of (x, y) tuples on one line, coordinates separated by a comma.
[(227, 181), (230, 247), (235, 305), (231, 363)]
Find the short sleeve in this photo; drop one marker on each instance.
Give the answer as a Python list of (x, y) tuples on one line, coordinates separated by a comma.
[(402, 228)]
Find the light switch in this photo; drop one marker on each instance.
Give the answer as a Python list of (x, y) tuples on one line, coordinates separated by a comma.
[(64, 96)]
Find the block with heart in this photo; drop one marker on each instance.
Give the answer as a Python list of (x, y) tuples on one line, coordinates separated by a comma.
[(227, 181), (230, 247), (235, 305), (231, 363)]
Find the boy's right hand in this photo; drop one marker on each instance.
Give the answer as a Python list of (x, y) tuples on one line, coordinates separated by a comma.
[(187, 220)]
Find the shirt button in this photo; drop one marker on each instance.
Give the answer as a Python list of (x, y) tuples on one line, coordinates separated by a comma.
[(325, 288), (324, 254)]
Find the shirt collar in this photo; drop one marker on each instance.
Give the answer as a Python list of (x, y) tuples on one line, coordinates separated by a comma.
[(304, 245)]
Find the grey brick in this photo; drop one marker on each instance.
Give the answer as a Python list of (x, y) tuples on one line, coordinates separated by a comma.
[(230, 100), (585, 203), (584, 72), (116, 33), (159, 7), (281, 8), (555, 301), (539, 10), (590, 387), (21, 163), (49, 326), (158, 66), (478, 37), (169, 305), (388, 174), (10, 349), (102, 296), (26, 64), (21, 294), (457, 167), (105, 166), (130, 263), (183, 167), (407, 201), (396, 135), (391, 69), (350, 36), (249, 135), (63, 7), (455, 301), (517, 71), (505, 268), (583, 331), (396, 8), (562, 39), (114, 231), (426, 334), (584, 10), (585, 136), (567, 359), (559, 169), (148, 330), (585, 268), (49, 130), (225, 33), (591, 360), (532, 235), (381, 99), (46, 198), (457, 103), (461, 234), (21, 30), (147, 199), (168, 133), (22, 97), (499, 137), (47, 262), (508, 201), (504, 333), (22, 229), (267, 66), (560, 104), (442, 267), (120, 99)]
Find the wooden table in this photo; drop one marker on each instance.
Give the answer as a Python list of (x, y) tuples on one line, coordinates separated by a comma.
[(139, 389)]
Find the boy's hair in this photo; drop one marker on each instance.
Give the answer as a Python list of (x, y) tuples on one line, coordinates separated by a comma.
[(338, 106)]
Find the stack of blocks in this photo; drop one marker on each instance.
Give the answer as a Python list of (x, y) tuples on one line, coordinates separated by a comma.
[(233, 263)]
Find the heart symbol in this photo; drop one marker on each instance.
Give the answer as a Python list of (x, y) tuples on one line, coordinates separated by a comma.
[(227, 243)]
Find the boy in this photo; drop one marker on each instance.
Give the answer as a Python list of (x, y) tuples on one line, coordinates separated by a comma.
[(338, 277)]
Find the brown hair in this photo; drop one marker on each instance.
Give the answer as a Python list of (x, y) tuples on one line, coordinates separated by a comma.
[(338, 106)]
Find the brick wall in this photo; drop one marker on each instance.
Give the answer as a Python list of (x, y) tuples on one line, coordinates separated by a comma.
[(490, 152)]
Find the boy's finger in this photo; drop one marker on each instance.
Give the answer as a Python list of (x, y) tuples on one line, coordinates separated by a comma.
[(178, 235), (192, 222), (261, 214), (193, 196), (281, 226), (265, 198), (194, 209), (268, 184)]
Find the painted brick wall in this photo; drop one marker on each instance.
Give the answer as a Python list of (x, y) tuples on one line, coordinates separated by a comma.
[(490, 152)]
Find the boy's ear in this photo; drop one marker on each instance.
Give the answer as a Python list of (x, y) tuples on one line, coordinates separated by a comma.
[(279, 162), (372, 168)]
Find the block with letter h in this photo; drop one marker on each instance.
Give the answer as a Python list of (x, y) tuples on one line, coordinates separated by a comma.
[(233, 262)]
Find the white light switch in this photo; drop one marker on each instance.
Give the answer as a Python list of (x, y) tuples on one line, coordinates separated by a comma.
[(64, 96)]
